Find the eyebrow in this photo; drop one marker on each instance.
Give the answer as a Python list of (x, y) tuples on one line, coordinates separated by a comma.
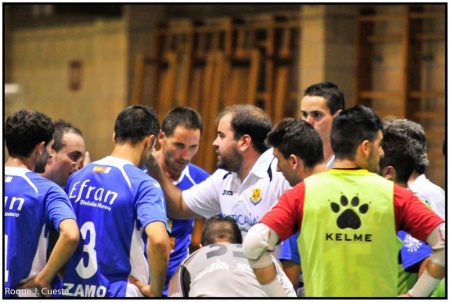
[(312, 111), (75, 153)]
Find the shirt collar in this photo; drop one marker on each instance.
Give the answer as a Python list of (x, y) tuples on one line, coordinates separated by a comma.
[(263, 163)]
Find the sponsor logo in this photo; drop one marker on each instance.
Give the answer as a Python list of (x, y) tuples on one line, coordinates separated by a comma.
[(229, 193), (348, 218)]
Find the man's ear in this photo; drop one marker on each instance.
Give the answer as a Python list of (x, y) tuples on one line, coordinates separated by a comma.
[(51, 157), (246, 140), (294, 161), (40, 147), (114, 137), (337, 113), (365, 147), (151, 141), (161, 137), (389, 173)]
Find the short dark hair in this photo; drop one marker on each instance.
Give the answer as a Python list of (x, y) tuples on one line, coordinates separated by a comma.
[(416, 132), (181, 116), (399, 150), (291, 136), (251, 120), (25, 129), (134, 123), (62, 127), (351, 127), (219, 227), (331, 92)]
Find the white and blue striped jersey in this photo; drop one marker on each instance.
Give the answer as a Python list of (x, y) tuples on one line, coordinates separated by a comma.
[(114, 201), (33, 206)]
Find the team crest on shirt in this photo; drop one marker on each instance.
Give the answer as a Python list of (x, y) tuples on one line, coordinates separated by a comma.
[(101, 169), (256, 196), (412, 244)]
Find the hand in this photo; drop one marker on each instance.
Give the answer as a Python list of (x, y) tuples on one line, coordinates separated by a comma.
[(146, 290), (87, 159), (152, 164), (37, 287)]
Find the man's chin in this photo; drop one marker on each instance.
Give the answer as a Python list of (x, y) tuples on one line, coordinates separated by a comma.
[(221, 165)]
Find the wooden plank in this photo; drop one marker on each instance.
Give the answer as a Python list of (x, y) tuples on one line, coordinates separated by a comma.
[(206, 111), (433, 115), (253, 76), (215, 107), (385, 38), (379, 18), (427, 14), (138, 79), (166, 99), (427, 94), (281, 87), (379, 94)]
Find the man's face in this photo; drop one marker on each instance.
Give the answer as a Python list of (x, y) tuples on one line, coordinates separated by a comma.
[(315, 111), (228, 156), (180, 148), (285, 167), (67, 160), (376, 151)]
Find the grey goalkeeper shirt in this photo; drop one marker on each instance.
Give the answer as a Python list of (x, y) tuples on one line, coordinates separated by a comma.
[(219, 270)]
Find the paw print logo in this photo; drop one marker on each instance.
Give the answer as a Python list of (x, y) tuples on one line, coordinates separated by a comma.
[(348, 218)]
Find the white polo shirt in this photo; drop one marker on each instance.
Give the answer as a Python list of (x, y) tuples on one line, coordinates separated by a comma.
[(223, 193), (431, 192)]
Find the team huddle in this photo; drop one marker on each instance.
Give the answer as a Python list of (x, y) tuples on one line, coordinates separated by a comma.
[(336, 204)]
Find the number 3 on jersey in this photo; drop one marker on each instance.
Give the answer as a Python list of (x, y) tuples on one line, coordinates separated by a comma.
[(90, 269)]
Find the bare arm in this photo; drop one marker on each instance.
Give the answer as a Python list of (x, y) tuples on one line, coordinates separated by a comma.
[(196, 235), (292, 271), (158, 250), (435, 266), (176, 207), (69, 235)]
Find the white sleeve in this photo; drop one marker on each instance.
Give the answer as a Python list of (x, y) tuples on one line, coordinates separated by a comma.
[(436, 240), (283, 279), (260, 239), (203, 198)]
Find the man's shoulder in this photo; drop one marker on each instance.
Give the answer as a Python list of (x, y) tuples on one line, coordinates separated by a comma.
[(34, 180), (195, 171)]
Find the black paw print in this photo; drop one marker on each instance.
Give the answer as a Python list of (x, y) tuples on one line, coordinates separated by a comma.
[(349, 218)]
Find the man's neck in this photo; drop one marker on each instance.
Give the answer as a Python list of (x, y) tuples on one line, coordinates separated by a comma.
[(413, 177), (247, 164), (327, 152), (128, 152), (18, 162), (319, 168), (346, 164)]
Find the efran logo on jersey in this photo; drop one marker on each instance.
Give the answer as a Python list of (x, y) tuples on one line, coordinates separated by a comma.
[(256, 196), (92, 196)]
